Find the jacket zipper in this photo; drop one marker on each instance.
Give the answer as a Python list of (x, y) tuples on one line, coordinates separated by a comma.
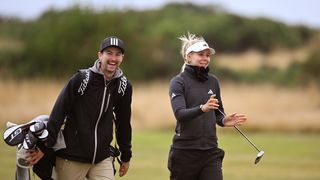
[(108, 100), (98, 120)]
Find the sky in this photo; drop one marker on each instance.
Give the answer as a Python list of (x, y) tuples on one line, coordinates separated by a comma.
[(292, 12)]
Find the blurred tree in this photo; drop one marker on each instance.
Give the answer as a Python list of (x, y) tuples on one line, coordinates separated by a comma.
[(61, 42), (310, 68)]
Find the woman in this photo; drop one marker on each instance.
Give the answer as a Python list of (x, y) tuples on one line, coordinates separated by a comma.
[(197, 107)]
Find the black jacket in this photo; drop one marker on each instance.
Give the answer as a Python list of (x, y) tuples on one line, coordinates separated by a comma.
[(194, 128), (87, 106)]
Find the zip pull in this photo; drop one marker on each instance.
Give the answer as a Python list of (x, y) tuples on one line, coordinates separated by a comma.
[(108, 100)]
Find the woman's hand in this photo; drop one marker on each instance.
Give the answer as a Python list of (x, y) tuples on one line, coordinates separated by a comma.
[(211, 104), (34, 155), (234, 119)]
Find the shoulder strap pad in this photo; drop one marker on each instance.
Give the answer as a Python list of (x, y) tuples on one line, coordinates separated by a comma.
[(122, 85), (85, 77)]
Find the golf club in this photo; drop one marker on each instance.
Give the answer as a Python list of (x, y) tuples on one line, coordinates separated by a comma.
[(260, 153), (15, 134)]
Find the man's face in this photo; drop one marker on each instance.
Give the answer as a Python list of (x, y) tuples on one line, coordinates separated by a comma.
[(111, 58)]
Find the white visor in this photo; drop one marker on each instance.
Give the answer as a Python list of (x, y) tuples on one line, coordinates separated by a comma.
[(199, 46)]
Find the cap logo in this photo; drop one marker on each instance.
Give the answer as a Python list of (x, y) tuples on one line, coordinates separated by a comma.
[(114, 41)]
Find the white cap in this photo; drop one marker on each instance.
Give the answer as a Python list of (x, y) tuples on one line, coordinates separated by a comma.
[(199, 46)]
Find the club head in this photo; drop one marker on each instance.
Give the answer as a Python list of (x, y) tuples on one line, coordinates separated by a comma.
[(259, 156), (44, 135), (10, 124), (14, 135), (37, 128), (29, 141)]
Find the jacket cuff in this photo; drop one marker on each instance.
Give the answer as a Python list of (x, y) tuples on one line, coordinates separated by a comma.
[(125, 158)]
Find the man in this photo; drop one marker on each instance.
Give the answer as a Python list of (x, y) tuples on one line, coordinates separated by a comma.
[(85, 111)]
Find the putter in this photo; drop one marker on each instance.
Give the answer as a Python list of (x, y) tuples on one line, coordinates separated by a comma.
[(260, 153)]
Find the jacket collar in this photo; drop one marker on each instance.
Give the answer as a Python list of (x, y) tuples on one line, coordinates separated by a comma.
[(200, 73), (96, 68)]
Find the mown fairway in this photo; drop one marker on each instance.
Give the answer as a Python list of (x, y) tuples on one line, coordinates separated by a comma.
[(288, 132), (287, 156)]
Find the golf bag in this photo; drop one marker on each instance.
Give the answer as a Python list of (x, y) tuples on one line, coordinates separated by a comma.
[(28, 136)]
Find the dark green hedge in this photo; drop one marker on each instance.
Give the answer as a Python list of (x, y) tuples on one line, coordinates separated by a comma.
[(60, 42)]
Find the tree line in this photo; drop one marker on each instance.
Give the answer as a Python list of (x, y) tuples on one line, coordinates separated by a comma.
[(60, 42)]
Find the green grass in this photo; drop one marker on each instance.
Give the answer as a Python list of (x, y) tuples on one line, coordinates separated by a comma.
[(287, 156)]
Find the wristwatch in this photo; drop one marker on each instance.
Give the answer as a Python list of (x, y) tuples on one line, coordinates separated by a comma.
[(201, 107)]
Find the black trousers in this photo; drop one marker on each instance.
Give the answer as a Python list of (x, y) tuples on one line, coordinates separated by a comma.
[(195, 164)]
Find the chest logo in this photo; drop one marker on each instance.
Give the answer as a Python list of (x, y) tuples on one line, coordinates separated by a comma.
[(210, 92)]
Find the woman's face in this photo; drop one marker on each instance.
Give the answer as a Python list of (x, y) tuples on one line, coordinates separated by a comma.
[(200, 59)]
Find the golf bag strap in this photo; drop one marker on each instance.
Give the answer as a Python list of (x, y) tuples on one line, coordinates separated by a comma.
[(115, 140), (85, 77), (117, 157)]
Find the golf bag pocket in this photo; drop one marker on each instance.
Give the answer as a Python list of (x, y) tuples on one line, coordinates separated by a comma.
[(21, 157)]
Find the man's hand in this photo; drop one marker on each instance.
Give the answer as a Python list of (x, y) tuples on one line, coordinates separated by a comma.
[(34, 155), (124, 168)]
